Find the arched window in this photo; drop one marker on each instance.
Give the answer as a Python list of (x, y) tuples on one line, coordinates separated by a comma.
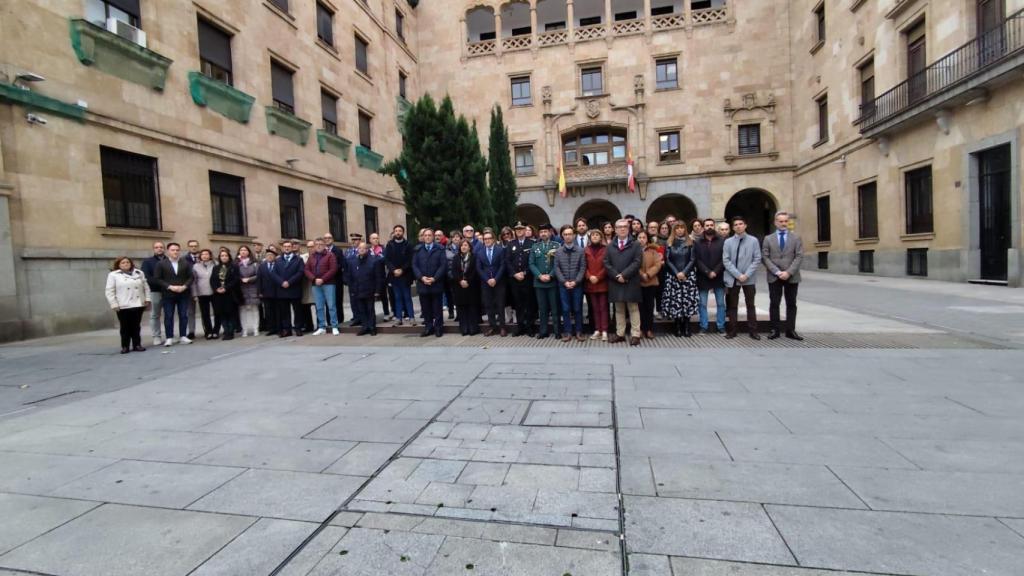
[(594, 146)]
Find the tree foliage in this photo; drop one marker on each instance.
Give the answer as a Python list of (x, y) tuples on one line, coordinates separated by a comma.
[(501, 181)]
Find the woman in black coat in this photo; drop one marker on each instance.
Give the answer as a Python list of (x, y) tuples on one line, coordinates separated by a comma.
[(226, 283), (465, 283)]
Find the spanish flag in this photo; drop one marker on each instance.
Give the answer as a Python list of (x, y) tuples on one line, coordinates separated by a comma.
[(561, 178), (630, 178)]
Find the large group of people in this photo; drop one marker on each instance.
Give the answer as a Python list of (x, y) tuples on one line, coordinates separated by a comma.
[(523, 280)]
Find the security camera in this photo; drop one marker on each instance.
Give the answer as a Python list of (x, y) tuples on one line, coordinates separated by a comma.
[(34, 119)]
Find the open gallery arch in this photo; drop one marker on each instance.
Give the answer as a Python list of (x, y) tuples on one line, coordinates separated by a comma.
[(597, 212), (672, 204), (757, 206)]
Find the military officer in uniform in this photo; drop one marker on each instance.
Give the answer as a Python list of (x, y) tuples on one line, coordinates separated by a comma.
[(545, 286), (521, 281)]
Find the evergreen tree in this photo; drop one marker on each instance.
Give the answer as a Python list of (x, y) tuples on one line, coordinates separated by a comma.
[(440, 169), (501, 180)]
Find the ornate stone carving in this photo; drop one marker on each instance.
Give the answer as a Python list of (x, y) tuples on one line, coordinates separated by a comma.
[(593, 108), (545, 94), (638, 83)]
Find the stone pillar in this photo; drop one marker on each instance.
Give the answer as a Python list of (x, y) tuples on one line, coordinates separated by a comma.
[(687, 13), (647, 19), (570, 25), (497, 33), (533, 26), (464, 37), (608, 21), (549, 175)]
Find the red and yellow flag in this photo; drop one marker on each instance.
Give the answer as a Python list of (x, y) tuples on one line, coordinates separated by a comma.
[(561, 178), (630, 178)]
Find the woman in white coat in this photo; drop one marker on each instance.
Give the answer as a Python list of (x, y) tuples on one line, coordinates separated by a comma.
[(128, 295)]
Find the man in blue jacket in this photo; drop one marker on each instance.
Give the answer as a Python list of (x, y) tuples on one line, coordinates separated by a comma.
[(288, 273), (398, 265), (429, 265), (339, 277), (365, 283), (491, 265)]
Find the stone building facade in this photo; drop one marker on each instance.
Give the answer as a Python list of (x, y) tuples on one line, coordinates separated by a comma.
[(888, 128)]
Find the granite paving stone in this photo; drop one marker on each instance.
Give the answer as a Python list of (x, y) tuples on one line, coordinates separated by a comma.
[(366, 552), (293, 425), (258, 550), (369, 430), (43, 473), (25, 517), (813, 449), (281, 494), (699, 567), (505, 559), (163, 484), (962, 455), (296, 454)]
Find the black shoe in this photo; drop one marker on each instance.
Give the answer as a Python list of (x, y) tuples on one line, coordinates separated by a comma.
[(228, 336), (792, 335), (541, 336), (138, 349), (373, 332), (214, 336), (516, 332), (729, 336), (774, 335), (285, 333), (124, 350), (363, 332), (191, 335), (686, 329), (298, 333), (755, 336), (425, 333), (355, 323), (439, 333)]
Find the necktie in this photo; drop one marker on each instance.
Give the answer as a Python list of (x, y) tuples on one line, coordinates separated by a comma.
[(490, 252), (782, 240), (621, 244)]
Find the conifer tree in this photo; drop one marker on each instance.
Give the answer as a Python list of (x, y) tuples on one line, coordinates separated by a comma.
[(501, 180)]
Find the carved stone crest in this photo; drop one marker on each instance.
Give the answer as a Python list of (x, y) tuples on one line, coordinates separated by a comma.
[(545, 93), (593, 108), (638, 83)]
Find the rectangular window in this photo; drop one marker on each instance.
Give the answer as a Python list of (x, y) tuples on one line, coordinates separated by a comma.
[(554, 26), (622, 16), (214, 52), (824, 219), (97, 11), (866, 262), (281, 86), (401, 85), (365, 139), (917, 61), (336, 218), (521, 93), (329, 106), (668, 146), (867, 210), (227, 199), (919, 200), (819, 17), (591, 81), (282, 4), (370, 219), (362, 63), (867, 87), (749, 139), (524, 160), (662, 10), (822, 120), (324, 24), (292, 225), (130, 196), (591, 21), (667, 73), (400, 24), (917, 262), (522, 31), (822, 260)]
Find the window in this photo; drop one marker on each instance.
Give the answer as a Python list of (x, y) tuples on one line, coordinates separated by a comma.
[(522, 31), (324, 24), (292, 225), (594, 146), (370, 219), (129, 189), (823, 119), (591, 81), (622, 16), (554, 26), (822, 260), (667, 73), (824, 220), (591, 21), (214, 52), (282, 4), (524, 160), (362, 64), (819, 17), (336, 218), (364, 130), (866, 262), (329, 107), (867, 210), (488, 36), (668, 146), (662, 10), (917, 61), (400, 24), (919, 200), (97, 11), (401, 84), (917, 262), (227, 198), (749, 139), (867, 87), (521, 95), (281, 86)]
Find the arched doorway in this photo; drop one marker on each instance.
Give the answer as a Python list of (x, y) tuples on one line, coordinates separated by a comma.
[(757, 206), (672, 204), (531, 214), (596, 212)]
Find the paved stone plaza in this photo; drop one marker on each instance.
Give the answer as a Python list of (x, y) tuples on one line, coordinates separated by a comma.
[(420, 457)]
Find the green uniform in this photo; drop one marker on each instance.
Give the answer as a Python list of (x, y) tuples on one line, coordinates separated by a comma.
[(542, 261)]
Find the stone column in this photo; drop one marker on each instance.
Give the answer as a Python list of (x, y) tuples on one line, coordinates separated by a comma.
[(497, 33), (464, 37), (687, 13), (533, 26), (647, 19), (570, 25), (608, 21)]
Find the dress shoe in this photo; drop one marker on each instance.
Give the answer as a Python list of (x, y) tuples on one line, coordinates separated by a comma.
[(541, 336), (191, 335), (489, 333), (581, 337), (228, 336), (425, 334), (729, 336), (634, 341), (124, 350), (504, 332), (686, 328), (439, 333), (298, 333), (363, 332), (285, 333), (516, 333), (138, 349), (792, 335), (774, 335), (615, 339), (649, 335), (755, 336), (566, 338)]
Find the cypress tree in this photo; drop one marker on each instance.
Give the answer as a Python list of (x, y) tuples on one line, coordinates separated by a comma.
[(501, 180)]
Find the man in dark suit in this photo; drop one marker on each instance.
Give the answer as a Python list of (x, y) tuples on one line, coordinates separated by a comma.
[(398, 267), (492, 267), (288, 273), (366, 282), (429, 265), (174, 277), (710, 270), (267, 286), (339, 277), (782, 254), (522, 282)]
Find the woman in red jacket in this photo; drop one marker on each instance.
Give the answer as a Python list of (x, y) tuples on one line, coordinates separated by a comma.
[(595, 284)]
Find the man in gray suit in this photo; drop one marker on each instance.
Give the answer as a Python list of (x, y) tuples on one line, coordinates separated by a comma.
[(782, 254), (741, 256)]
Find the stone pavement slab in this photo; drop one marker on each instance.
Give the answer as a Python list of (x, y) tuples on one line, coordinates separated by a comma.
[(294, 454), (280, 494), (698, 567), (368, 430), (899, 543), (160, 484), (364, 459), (25, 517), (813, 449), (116, 540), (43, 473), (962, 455), (258, 550)]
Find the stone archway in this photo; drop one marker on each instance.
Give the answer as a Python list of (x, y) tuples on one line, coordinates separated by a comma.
[(757, 206), (596, 212), (675, 204), (531, 214)]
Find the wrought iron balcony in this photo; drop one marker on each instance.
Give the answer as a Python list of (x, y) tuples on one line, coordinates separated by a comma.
[(956, 75)]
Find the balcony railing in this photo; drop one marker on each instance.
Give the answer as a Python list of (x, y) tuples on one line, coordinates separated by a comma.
[(968, 61)]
